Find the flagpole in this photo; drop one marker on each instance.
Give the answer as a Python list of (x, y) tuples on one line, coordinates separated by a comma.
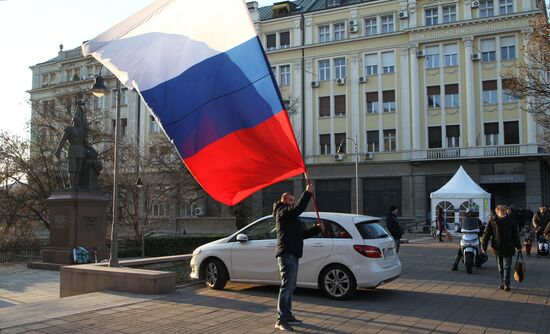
[(313, 197)]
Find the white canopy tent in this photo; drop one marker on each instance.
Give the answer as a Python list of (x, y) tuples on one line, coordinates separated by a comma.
[(459, 194)]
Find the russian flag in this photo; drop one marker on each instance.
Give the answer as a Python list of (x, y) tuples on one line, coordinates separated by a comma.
[(202, 71)]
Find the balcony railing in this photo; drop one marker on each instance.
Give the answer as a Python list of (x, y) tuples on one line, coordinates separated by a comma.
[(475, 152)]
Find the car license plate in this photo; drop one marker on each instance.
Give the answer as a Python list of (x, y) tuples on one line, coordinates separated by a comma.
[(389, 252)]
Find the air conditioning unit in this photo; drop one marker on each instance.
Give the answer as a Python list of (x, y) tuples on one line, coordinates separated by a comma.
[(474, 4), (341, 81), (362, 79), (198, 211), (369, 155), (352, 22), (476, 56), (314, 84), (403, 14), (339, 157), (353, 28), (420, 53)]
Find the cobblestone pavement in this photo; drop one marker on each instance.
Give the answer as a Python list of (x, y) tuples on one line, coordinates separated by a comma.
[(19, 285), (428, 298)]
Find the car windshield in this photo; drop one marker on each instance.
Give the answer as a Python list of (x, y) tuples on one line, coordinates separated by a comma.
[(372, 230)]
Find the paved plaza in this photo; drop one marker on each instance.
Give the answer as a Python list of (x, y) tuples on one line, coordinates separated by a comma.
[(428, 298)]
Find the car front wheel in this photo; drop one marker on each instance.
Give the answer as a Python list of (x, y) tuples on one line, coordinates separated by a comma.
[(337, 282), (215, 274)]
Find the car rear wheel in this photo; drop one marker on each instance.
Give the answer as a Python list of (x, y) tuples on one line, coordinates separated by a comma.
[(215, 274), (337, 282)]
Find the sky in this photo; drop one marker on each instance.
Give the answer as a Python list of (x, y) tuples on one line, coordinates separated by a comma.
[(30, 33)]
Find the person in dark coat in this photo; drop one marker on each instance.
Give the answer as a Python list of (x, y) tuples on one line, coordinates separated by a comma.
[(392, 223), (290, 244), (540, 221), (440, 222), (504, 236)]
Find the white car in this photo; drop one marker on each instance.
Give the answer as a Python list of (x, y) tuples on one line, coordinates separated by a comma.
[(354, 252)]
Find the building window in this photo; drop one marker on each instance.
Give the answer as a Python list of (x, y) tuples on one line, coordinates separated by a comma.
[(506, 96), (373, 144), (431, 16), (324, 142), (388, 62), (372, 102), (284, 75), (488, 50), (451, 54), (371, 26), (388, 100), (123, 97), (486, 8), (434, 137), (324, 106), (271, 41), (511, 133), (339, 68), (449, 14), (339, 105), (506, 7), (434, 97), (507, 48), (432, 57), (452, 97), (159, 210), (371, 64), (324, 70), (491, 133), (489, 92), (379, 194), (340, 142), (339, 31), (153, 125), (390, 140), (284, 39), (324, 34), (123, 126), (453, 135), (387, 24)]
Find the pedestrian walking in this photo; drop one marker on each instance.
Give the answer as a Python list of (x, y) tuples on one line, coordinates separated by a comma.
[(440, 222), (392, 223), (290, 244), (502, 231)]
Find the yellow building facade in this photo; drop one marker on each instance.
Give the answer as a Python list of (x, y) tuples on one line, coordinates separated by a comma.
[(417, 87)]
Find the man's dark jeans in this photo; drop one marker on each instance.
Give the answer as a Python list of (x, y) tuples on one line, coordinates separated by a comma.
[(288, 271), (504, 268)]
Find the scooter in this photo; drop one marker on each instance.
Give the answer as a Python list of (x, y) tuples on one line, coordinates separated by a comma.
[(471, 249)]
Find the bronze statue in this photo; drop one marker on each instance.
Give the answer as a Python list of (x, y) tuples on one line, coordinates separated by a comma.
[(83, 165)]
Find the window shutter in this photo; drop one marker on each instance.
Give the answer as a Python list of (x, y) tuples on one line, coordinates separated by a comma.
[(489, 85), (324, 106)]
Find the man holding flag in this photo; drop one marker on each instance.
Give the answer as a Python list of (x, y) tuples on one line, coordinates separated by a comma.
[(290, 245)]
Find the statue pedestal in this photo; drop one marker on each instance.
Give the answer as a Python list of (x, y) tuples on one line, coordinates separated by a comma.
[(77, 219)]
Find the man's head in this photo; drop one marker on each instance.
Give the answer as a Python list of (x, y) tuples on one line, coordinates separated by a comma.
[(393, 209), (542, 209), (501, 211), (471, 212), (288, 199)]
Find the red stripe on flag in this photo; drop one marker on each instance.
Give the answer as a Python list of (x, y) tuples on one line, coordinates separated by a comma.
[(248, 160)]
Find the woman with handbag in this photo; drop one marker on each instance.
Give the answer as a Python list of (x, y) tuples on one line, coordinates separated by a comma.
[(504, 236)]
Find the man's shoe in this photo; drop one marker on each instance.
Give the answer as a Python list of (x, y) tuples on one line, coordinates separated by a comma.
[(501, 286), (294, 321), (455, 267), (507, 288), (283, 326)]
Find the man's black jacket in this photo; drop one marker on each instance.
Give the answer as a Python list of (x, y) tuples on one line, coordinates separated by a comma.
[(504, 236), (290, 233), (393, 226)]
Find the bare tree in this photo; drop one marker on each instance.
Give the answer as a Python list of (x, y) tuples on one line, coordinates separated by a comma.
[(531, 80)]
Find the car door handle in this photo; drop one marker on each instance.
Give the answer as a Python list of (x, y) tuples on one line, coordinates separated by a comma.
[(270, 245), (317, 245)]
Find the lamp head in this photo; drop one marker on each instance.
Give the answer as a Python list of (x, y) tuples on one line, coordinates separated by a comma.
[(99, 88), (139, 183)]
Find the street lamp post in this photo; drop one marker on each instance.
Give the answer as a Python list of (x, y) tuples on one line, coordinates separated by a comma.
[(354, 141), (99, 89)]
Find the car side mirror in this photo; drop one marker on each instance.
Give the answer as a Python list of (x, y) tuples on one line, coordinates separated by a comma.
[(242, 237)]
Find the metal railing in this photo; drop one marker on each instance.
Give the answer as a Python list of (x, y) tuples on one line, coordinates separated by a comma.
[(20, 253)]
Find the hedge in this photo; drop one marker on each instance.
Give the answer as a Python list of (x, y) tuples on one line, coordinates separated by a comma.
[(164, 245)]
